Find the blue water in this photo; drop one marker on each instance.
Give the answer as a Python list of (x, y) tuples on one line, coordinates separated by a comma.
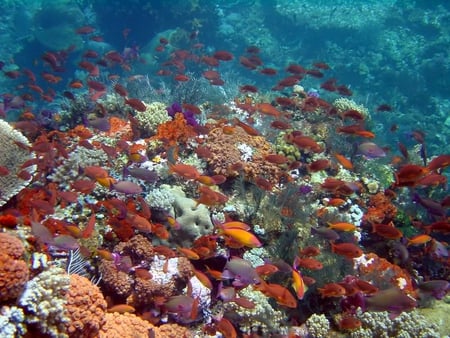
[(392, 52)]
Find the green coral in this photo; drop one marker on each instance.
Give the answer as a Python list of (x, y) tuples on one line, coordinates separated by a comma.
[(407, 324), (291, 151), (152, 117)]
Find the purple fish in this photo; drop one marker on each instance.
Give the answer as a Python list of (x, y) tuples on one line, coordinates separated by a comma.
[(182, 306), (392, 300), (370, 150), (100, 123), (326, 233), (241, 271), (146, 175), (437, 288), (127, 187)]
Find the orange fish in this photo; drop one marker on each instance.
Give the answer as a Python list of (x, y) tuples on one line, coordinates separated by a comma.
[(388, 231), (122, 308), (348, 250), (242, 237), (331, 290), (298, 284), (336, 202), (342, 226), (268, 109), (226, 328), (345, 162), (188, 253), (184, 170), (203, 278), (266, 269), (277, 292), (307, 263), (419, 239)]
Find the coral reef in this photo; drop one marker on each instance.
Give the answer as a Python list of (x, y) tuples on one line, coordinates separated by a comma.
[(125, 325), (14, 271), (85, 307), (227, 163), (169, 276), (318, 326), (14, 153), (12, 321), (44, 301), (407, 324), (262, 317), (152, 117), (194, 219)]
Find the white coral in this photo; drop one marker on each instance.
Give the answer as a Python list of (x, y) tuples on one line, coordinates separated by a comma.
[(44, 301), (12, 156), (12, 322)]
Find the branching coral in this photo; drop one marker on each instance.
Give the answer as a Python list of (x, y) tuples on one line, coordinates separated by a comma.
[(407, 324), (152, 117), (318, 326), (12, 322), (44, 301), (12, 156)]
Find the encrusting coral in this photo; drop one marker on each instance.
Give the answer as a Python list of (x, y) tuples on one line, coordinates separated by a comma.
[(14, 271), (85, 308), (12, 156), (227, 162)]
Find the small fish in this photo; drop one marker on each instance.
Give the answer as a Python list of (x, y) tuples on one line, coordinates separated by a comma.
[(298, 284), (392, 300), (342, 226), (241, 271), (242, 237), (127, 187), (332, 290), (348, 250), (419, 239), (122, 308), (370, 150)]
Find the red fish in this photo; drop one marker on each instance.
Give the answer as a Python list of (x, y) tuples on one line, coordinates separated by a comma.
[(332, 290), (348, 250), (136, 104)]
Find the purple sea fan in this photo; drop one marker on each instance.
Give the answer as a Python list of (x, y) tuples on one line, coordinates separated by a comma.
[(188, 115)]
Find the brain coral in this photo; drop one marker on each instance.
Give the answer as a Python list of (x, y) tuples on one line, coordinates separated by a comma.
[(227, 152), (12, 156), (85, 308), (13, 271)]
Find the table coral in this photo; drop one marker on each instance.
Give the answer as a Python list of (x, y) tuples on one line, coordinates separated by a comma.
[(226, 155), (14, 272), (12, 156), (85, 308), (44, 300)]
